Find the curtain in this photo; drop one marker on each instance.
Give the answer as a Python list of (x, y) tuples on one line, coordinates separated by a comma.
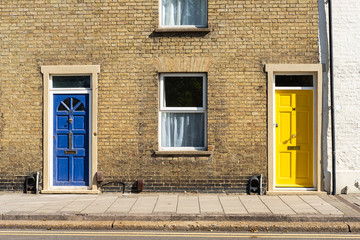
[(184, 12), (182, 130)]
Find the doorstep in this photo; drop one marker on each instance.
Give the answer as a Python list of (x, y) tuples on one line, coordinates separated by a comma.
[(295, 192), (64, 191)]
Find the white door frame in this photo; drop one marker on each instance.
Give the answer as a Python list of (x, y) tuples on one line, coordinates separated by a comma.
[(48, 72), (272, 70)]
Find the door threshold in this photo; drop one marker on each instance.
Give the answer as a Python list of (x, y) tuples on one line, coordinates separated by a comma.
[(69, 191), (295, 192)]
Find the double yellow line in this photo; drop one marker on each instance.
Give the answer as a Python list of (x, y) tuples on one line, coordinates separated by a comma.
[(178, 234)]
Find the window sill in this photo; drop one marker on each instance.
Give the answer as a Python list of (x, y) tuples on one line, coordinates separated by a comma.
[(181, 29), (183, 153)]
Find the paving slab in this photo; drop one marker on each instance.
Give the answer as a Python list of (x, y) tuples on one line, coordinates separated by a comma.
[(254, 205), (298, 205), (232, 205), (166, 204), (100, 204), (26, 208), (320, 205), (339, 204), (210, 205), (6, 207), (351, 198), (27, 204), (52, 207), (122, 205), (188, 205), (9, 197), (144, 205), (276, 205), (78, 204)]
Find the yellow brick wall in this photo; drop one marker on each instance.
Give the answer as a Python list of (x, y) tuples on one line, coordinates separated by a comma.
[(119, 36)]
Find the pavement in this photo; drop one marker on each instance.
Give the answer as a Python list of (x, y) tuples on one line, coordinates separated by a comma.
[(162, 211)]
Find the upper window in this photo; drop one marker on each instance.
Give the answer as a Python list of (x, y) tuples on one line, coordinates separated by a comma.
[(183, 13), (71, 81), (182, 111), (294, 80)]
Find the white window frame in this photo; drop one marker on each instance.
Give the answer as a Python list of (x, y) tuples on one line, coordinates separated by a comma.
[(164, 109), (182, 26)]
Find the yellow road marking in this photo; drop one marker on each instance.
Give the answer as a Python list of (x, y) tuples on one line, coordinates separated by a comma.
[(166, 234)]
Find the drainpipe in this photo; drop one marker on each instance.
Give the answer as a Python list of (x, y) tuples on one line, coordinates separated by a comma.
[(332, 100), (37, 183)]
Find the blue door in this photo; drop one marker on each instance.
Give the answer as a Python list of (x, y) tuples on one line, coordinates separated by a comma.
[(71, 140)]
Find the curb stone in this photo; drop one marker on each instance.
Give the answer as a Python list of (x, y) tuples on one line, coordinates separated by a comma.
[(181, 218), (186, 226)]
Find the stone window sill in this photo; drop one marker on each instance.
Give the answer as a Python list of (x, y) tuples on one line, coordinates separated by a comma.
[(181, 29), (183, 153)]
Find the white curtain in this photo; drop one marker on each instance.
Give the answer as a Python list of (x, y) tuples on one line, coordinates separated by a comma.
[(184, 12), (182, 130)]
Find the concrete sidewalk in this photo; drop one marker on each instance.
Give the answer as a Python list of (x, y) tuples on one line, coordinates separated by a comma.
[(180, 207)]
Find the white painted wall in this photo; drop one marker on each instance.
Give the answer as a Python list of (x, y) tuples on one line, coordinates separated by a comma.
[(346, 51)]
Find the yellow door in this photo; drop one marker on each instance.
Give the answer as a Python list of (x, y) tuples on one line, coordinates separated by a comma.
[(294, 138)]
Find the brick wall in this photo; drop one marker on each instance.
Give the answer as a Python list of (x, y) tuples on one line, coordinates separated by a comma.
[(119, 36)]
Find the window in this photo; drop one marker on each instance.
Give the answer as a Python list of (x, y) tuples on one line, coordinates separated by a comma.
[(182, 111), (293, 80), (183, 13), (71, 81)]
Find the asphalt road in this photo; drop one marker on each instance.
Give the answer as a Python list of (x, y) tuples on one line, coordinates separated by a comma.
[(122, 235)]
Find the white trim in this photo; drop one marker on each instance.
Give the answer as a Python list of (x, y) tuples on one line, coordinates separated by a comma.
[(182, 148), (69, 70), (294, 88), (300, 69), (202, 109), (183, 26), (314, 127), (182, 109)]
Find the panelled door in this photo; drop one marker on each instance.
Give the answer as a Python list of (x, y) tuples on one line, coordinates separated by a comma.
[(71, 140), (294, 138)]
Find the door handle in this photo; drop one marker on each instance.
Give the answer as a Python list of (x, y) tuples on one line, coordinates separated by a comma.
[(293, 136), (70, 140)]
